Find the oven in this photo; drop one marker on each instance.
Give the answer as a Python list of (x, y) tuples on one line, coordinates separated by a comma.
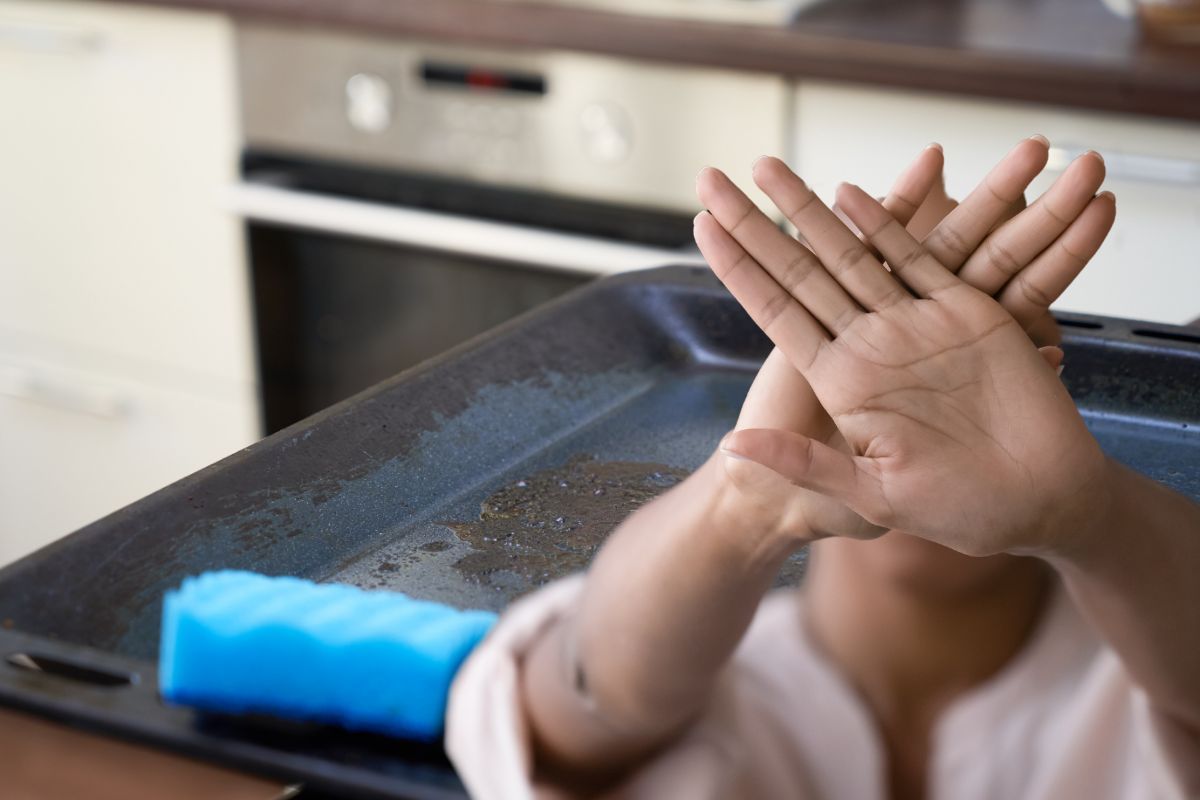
[(403, 197)]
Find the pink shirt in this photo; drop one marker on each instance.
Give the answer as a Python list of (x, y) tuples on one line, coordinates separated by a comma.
[(1061, 721)]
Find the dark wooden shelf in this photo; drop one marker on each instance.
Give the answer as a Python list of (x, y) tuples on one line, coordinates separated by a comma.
[(1066, 52)]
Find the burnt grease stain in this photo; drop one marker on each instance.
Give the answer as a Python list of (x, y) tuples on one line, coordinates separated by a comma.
[(551, 523)]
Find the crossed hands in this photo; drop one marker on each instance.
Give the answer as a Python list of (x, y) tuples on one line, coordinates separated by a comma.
[(911, 396)]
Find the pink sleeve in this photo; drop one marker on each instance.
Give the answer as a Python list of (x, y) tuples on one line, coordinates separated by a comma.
[(1108, 741), (1171, 752), (487, 735)]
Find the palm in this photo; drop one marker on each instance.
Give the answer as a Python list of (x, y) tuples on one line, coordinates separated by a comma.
[(947, 396), (782, 399)]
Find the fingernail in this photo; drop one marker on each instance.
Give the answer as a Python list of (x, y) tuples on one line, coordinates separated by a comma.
[(1097, 155), (1109, 195), (1058, 370), (701, 172), (696, 219), (933, 146), (1037, 137), (758, 161)]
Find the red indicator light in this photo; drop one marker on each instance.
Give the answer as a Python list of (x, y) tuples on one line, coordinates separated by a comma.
[(486, 80)]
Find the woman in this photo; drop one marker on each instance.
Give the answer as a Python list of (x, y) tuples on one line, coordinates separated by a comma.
[(962, 516)]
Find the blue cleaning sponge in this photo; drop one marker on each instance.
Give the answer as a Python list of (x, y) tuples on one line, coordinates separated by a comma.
[(372, 661)]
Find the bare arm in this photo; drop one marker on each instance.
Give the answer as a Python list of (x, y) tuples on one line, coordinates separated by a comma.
[(665, 604), (1134, 576)]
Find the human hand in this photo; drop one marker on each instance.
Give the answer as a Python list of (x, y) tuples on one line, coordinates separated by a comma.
[(781, 398), (933, 424)]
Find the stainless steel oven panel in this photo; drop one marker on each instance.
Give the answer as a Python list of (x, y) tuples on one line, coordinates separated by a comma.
[(633, 133), (447, 233)]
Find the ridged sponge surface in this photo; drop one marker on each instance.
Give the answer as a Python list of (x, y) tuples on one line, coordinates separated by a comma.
[(238, 642)]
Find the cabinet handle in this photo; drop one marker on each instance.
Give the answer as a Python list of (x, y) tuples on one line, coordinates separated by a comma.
[(1136, 167), (48, 37), (27, 385)]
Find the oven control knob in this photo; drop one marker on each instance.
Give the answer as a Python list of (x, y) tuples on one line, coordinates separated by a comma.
[(368, 102), (607, 132)]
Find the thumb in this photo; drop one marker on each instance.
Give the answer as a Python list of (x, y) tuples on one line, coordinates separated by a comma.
[(1053, 356), (853, 480)]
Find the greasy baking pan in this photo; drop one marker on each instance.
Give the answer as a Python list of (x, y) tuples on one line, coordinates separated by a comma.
[(470, 480)]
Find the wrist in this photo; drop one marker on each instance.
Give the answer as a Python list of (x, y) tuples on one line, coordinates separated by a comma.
[(748, 514), (1104, 512)]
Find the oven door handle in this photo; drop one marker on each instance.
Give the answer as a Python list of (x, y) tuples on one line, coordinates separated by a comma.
[(449, 233)]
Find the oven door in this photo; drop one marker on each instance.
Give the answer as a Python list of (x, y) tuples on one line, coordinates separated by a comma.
[(351, 288)]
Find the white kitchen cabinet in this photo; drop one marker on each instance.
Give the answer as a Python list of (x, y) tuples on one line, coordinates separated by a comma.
[(78, 444), (1149, 268), (117, 139), (119, 266)]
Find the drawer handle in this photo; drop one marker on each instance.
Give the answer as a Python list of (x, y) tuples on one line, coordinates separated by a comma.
[(1135, 167), (48, 37), (30, 387)]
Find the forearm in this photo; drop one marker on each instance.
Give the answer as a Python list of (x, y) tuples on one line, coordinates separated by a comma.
[(666, 602), (1135, 576)]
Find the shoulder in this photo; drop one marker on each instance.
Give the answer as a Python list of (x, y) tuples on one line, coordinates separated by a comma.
[(1063, 719)]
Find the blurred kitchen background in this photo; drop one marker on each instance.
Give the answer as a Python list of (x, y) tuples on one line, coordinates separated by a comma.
[(220, 216)]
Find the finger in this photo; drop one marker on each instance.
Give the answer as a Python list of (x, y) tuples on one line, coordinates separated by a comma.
[(849, 223), (911, 193), (935, 208), (1016, 208), (1028, 296), (791, 264), (1013, 210), (806, 462), (780, 316), (1053, 356), (915, 183), (1012, 246), (1044, 330), (841, 253), (957, 236), (908, 259)]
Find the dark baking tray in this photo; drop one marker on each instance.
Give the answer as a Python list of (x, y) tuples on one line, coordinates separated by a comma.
[(647, 368)]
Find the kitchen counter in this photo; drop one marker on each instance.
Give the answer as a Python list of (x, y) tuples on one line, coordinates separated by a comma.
[(1066, 52), (35, 767)]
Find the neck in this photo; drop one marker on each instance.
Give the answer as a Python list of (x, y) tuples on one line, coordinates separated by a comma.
[(909, 645), (913, 626)]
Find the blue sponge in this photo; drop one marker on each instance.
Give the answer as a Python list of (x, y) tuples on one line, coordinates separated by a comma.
[(238, 642)]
